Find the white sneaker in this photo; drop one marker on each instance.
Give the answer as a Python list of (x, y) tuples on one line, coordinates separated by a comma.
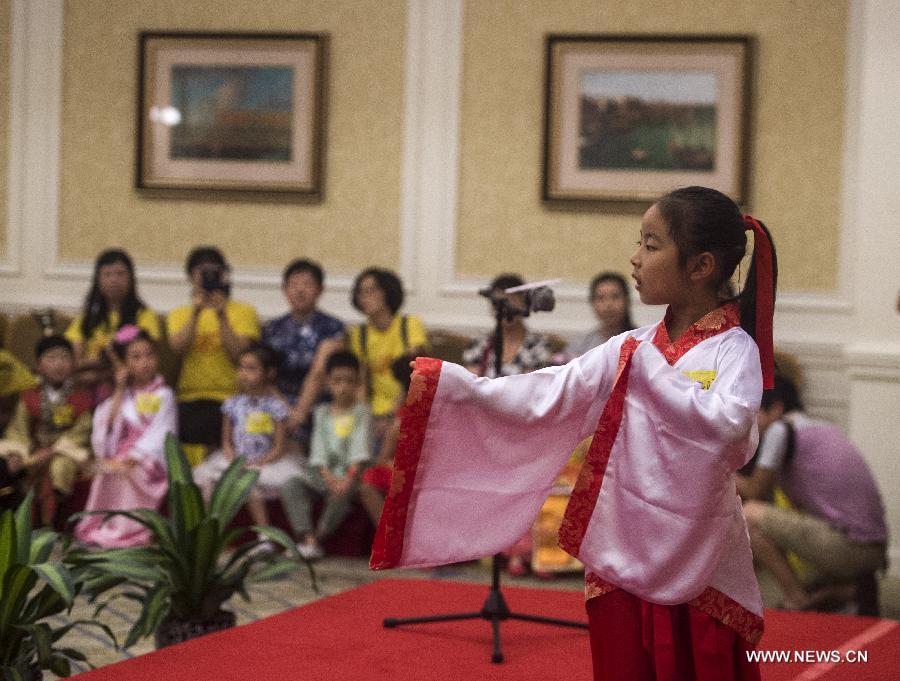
[(310, 551), (265, 547)]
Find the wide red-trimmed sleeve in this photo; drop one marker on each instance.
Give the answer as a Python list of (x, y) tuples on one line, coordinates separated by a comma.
[(584, 496), (478, 456), (388, 545)]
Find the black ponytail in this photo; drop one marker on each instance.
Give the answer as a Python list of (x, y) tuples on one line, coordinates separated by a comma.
[(702, 219), (749, 295)]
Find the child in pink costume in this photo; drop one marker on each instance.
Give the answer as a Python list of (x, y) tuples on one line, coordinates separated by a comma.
[(129, 434), (654, 516)]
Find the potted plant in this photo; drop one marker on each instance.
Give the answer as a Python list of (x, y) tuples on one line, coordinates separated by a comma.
[(186, 575), (34, 588)]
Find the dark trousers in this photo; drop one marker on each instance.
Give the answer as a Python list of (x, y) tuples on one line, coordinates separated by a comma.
[(200, 423)]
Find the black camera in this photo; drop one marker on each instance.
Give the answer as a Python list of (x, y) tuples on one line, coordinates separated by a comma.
[(213, 279)]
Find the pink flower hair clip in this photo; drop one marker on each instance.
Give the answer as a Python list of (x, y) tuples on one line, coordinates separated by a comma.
[(126, 334)]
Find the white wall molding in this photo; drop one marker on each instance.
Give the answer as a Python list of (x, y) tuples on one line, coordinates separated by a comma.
[(35, 109), (434, 66), (11, 263), (871, 170), (874, 361)]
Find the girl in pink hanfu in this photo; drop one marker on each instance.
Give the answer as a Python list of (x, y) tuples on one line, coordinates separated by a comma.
[(129, 433), (654, 516)]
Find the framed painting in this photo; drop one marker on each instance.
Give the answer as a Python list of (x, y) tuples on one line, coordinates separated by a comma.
[(627, 118), (235, 113)]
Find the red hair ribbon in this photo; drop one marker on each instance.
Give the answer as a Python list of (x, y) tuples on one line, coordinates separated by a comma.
[(765, 299)]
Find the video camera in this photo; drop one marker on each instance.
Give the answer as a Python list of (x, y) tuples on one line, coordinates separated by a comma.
[(537, 297), (213, 278)]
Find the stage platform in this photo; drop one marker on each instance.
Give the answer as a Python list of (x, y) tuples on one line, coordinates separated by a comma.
[(341, 637)]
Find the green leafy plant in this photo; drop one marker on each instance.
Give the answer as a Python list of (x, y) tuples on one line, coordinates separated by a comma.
[(187, 573), (34, 589)]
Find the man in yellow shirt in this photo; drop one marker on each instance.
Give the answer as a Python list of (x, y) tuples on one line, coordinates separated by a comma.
[(208, 335)]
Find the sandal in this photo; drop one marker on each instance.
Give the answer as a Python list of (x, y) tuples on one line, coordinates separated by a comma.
[(516, 567)]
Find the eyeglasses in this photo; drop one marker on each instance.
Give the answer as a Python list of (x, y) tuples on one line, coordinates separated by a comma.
[(367, 290)]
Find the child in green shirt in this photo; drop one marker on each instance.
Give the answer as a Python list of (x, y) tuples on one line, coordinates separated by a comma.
[(339, 450)]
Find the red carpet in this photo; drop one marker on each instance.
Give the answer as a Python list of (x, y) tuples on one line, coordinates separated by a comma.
[(341, 637), (830, 636)]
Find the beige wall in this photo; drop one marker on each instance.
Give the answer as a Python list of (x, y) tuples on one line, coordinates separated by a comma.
[(5, 35), (357, 223), (795, 155)]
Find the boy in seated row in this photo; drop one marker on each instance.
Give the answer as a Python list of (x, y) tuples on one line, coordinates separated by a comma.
[(339, 450), (49, 434)]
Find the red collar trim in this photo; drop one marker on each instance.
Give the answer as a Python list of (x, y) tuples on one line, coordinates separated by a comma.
[(713, 323)]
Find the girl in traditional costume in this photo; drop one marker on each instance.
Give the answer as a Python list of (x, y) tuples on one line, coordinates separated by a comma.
[(128, 438), (654, 517)]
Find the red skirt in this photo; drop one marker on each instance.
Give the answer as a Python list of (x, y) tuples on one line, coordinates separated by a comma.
[(640, 641)]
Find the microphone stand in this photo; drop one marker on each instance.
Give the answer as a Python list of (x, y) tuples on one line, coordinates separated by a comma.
[(494, 609)]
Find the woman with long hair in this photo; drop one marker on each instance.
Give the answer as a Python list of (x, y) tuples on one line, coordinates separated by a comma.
[(111, 303), (610, 301)]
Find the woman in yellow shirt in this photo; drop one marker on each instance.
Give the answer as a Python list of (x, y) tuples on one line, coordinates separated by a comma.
[(384, 337), (111, 302)]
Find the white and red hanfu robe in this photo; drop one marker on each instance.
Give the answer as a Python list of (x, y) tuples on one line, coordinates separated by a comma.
[(655, 511)]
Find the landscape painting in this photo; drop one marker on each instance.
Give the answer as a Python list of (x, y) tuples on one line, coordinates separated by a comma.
[(629, 118), (239, 112), (659, 120)]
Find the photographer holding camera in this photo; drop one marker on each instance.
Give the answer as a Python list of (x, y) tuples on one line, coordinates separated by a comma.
[(208, 335)]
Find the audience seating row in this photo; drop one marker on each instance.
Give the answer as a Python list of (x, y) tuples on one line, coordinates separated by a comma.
[(20, 332)]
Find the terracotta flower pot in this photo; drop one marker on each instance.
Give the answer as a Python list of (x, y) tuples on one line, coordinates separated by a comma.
[(174, 631)]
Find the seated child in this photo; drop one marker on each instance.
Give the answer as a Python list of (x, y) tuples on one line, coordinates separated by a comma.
[(130, 429), (339, 449), (254, 427), (50, 429), (376, 480)]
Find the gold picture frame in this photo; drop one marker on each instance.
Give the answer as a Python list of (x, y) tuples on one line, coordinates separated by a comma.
[(231, 114)]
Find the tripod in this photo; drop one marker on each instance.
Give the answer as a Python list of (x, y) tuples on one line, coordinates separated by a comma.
[(495, 609)]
